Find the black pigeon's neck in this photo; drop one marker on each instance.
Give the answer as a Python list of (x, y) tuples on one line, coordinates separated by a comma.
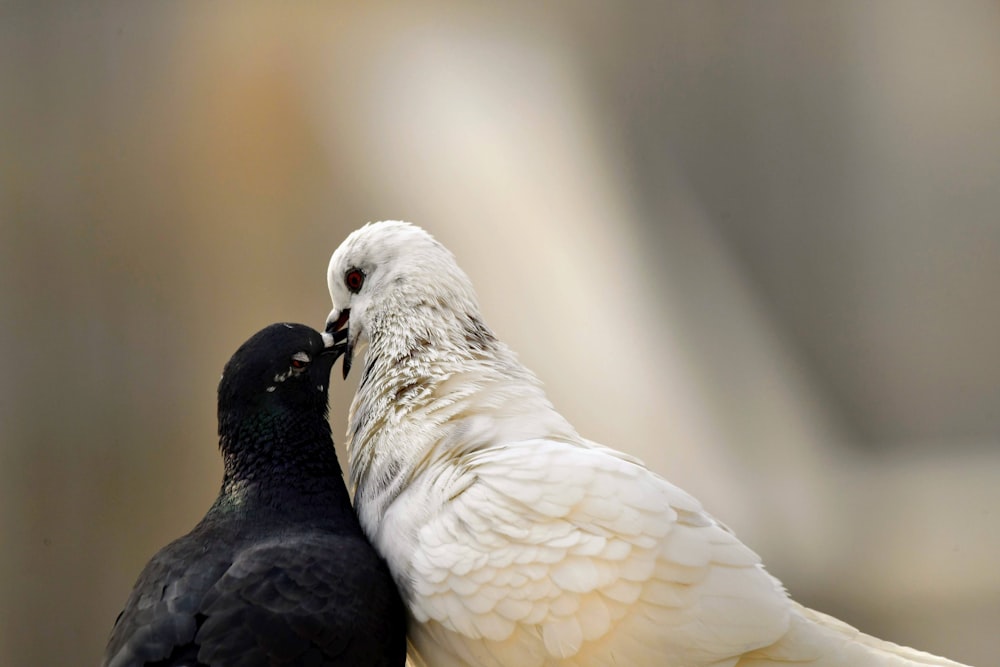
[(280, 463)]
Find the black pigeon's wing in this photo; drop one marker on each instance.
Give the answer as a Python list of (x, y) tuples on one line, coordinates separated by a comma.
[(160, 619), (307, 599)]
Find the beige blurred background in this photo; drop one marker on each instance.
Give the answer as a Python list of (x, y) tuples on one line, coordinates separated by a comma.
[(756, 244)]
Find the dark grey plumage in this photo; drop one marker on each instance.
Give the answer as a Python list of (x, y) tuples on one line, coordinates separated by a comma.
[(278, 571)]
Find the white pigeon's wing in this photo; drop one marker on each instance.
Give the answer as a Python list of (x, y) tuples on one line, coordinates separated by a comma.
[(548, 551)]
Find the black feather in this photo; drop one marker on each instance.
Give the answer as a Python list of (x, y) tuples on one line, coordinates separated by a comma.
[(278, 571)]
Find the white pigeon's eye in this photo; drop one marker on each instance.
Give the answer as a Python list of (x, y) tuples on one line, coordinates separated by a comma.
[(354, 279)]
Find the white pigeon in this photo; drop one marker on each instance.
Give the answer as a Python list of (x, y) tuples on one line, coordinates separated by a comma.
[(513, 540)]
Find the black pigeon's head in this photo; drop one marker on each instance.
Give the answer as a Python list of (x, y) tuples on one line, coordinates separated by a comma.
[(283, 367)]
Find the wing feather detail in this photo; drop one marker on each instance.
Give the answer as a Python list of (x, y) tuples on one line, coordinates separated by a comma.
[(556, 552)]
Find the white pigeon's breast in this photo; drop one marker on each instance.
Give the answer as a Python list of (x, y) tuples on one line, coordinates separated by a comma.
[(396, 536), (407, 459)]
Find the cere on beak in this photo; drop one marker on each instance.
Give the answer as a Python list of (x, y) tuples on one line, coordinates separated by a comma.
[(337, 328)]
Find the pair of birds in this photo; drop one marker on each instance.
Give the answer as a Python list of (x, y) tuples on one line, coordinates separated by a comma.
[(483, 521)]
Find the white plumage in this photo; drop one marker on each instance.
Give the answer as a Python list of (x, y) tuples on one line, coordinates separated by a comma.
[(513, 540)]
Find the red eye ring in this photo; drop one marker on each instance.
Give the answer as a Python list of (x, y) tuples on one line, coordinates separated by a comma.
[(298, 363), (354, 279)]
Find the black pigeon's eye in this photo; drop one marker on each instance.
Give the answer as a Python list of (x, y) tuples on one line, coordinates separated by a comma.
[(299, 361), (354, 279)]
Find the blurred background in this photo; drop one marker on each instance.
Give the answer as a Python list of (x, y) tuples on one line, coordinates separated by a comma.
[(755, 244)]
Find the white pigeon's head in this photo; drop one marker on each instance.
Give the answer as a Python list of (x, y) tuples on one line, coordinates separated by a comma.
[(384, 275)]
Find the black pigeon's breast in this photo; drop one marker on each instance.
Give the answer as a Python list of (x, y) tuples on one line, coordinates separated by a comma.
[(296, 597)]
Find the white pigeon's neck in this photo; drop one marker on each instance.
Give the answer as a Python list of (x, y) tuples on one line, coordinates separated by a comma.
[(436, 386)]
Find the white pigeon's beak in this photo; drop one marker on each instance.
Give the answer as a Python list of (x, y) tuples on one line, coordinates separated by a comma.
[(336, 327)]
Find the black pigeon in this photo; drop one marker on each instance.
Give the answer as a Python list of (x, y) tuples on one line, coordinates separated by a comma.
[(278, 572)]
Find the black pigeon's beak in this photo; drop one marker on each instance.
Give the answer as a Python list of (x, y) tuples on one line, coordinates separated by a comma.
[(337, 327)]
